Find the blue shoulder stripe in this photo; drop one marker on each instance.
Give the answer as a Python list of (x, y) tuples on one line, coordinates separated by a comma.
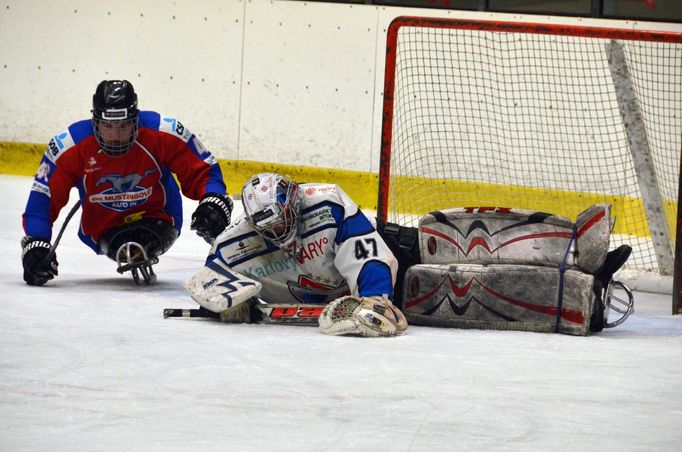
[(80, 130), (149, 119), (354, 226)]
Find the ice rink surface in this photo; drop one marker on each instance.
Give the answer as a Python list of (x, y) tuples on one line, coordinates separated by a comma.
[(88, 363)]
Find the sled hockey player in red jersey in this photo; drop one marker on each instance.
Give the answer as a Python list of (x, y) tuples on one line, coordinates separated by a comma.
[(122, 162), (304, 244)]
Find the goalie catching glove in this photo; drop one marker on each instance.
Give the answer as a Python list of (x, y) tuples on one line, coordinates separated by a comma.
[(366, 316), (212, 216), (37, 271)]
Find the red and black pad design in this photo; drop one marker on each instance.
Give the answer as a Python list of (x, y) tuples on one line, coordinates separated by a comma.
[(499, 235), (504, 297)]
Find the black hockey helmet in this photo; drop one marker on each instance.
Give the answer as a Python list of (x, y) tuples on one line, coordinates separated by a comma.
[(114, 116)]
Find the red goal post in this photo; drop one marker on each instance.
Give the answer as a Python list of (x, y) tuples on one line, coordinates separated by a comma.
[(532, 115)]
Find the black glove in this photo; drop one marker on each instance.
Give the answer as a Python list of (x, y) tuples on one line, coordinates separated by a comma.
[(212, 216), (37, 271)]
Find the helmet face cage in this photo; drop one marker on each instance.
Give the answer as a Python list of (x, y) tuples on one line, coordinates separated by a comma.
[(115, 137), (115, 116), (271, 207)]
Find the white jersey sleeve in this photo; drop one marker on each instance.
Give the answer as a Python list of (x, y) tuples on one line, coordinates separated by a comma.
[(362, 256)]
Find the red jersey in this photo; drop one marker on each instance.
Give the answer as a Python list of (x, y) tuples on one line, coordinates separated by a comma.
[(122, 189)]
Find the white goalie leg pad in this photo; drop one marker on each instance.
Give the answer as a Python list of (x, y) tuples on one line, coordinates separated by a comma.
[(369, 317), (218, 288)]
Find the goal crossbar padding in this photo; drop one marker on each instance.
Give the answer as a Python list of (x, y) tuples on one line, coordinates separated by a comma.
[(499, 297), (515, 236)]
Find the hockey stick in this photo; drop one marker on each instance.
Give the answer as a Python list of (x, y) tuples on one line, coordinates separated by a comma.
[(292, 314), (187, 313), (53, 249)]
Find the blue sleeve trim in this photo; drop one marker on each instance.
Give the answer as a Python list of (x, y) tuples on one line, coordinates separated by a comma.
[(354, 226), (215, 182), (375, 279), (36, 217)]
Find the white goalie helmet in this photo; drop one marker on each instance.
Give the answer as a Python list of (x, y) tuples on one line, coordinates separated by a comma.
[(272, 207)]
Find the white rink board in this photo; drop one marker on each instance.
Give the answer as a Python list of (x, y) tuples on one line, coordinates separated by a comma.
[(183, 61), (309, 83), (227, 69)]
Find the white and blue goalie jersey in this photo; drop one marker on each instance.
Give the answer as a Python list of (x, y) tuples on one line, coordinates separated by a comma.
[(338, 252)]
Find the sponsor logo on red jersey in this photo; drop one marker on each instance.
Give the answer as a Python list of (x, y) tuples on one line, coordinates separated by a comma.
[(124, 191)]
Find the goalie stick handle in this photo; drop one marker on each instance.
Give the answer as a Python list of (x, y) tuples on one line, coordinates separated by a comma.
[(200, 312)]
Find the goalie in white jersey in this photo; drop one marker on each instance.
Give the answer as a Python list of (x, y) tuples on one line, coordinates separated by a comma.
[(309, 244)]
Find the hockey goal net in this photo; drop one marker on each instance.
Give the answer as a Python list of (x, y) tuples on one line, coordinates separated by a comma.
[(552, 118)]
